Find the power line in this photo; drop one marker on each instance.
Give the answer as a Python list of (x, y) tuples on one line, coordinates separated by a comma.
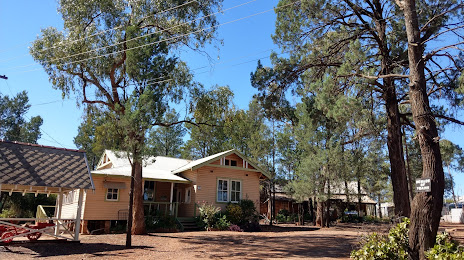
[(60, 44), (145, 35)]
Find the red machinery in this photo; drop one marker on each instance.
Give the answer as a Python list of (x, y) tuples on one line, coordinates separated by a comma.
[(32, 232)]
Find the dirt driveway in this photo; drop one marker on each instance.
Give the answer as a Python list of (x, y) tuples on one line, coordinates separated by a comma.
[(284, 242)]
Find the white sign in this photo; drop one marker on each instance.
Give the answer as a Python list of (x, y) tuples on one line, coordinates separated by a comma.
[(423, 185)]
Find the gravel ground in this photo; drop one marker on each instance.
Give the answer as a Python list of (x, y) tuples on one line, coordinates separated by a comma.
[(283, 241)]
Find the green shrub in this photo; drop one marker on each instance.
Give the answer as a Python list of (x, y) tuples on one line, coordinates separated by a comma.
[(234, 213), (222, 223), (445, 248), (208, 214), (281, 218), (160, 220), (391, 246), (249, 213)]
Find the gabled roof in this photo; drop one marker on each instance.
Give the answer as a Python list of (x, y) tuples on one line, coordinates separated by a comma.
[(204, 161), (147, 173), (45, 166)]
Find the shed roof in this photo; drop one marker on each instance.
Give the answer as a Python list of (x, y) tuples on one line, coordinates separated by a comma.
[(44, 166)]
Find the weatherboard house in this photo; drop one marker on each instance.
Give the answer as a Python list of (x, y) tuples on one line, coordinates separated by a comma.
[(171, 185)]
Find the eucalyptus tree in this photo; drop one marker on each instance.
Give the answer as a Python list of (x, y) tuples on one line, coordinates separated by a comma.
[(119, 55), (214, 109), (167, 141)]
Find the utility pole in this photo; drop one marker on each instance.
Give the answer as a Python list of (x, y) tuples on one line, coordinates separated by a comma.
[(3, 77)]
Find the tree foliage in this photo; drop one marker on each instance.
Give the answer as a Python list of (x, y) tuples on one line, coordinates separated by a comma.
[(14, 125)]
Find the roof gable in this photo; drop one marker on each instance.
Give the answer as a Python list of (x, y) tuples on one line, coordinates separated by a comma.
[(37, 165), (207, 160)]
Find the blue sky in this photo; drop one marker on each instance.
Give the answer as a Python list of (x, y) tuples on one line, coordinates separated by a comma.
[(245, 41)]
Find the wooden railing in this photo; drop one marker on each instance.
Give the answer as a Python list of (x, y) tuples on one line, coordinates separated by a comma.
[(41, 213), (166, 208)]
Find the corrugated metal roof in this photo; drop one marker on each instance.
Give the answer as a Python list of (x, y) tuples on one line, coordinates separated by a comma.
[(201, 161), (147, 173), (37, 165)]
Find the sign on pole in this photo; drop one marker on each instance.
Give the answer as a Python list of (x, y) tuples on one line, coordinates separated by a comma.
[(423, 185)]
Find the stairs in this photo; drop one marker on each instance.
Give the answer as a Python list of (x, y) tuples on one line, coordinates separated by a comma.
[(188, 224)]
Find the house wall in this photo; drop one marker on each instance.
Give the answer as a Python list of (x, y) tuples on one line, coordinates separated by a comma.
[(70, 203), (207, 176), (163, 191), (96, 205)]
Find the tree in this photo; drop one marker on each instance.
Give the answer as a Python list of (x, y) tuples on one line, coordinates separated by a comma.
[(426, 207), (13, 124), (214, 109), (94, 135), (118, 55), (167, 141), (453, 157), (364, 42)]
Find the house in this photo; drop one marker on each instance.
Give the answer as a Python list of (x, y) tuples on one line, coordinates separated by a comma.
[(340, 200), (171, 185)]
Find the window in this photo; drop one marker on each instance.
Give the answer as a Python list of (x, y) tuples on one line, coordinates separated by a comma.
[(222, 190), (188, 195), (230, 162), (235, 191), (149, 190), (229, 190), (112, 194)]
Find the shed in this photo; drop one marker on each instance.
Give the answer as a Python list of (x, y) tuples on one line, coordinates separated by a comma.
[(32, 168)]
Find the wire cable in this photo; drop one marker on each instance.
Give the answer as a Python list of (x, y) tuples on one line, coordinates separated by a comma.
[(145, 35), (60, 44)]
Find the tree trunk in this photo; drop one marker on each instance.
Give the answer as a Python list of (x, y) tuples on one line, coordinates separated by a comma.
[(320, 213), (395, 153), (359, 194), (138, 225), (426, 206), (311, 209), (131, 206), (410, 181), (380, 207)]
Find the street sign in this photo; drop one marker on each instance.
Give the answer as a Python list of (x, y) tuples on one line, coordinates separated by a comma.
[(423, 185)]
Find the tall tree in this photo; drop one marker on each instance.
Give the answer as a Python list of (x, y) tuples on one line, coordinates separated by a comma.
[(13, 123), (426, 207), (365, 42), (118, 55), (167, 141)]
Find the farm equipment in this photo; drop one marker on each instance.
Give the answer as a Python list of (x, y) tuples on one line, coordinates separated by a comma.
[(32, 232)]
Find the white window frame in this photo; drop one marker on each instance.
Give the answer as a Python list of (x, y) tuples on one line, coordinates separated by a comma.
[(239, 191), (229, 190), (188, 195), (112, 193)]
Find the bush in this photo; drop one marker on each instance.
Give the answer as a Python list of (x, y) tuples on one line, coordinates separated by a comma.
[(208, 214), (160, 220), (234, 213), (249, 213), (222, 223), (445, 248), (235, 228), (393, 246)]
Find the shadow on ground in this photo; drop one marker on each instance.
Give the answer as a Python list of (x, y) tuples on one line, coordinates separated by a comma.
[(289, 228), (245, 246), (38, 250)]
